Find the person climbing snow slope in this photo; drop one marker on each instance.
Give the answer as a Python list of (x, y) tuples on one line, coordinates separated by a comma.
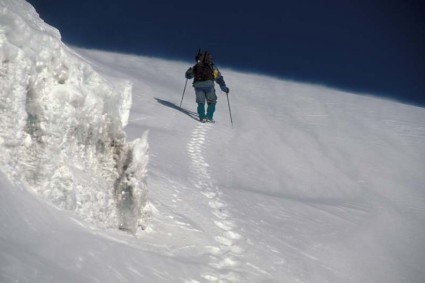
[(204, 73)]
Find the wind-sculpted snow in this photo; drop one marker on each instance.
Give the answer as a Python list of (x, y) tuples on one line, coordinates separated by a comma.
[(61, 123)]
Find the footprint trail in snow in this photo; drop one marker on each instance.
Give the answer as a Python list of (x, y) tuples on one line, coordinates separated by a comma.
[(225, 255)]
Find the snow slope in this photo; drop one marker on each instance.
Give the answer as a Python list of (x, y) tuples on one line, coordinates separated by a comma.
[(310, 185)]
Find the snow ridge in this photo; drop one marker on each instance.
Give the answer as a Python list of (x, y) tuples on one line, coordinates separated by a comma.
[(225, 256), (61, 127)]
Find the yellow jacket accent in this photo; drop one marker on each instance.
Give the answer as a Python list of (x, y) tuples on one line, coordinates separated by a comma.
[(215, 73)]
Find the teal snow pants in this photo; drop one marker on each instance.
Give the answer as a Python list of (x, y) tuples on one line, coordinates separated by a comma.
[(206, 94)]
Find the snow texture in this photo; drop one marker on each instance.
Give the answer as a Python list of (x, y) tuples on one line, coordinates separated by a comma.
[(61, 126), (311, 184)]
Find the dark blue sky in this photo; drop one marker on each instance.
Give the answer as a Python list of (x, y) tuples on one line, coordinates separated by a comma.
[(373, 47)]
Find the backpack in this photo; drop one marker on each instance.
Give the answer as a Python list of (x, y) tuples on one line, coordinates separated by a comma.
[(203, 70)]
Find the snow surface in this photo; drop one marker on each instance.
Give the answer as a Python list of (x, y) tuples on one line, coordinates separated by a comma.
[(61, 126), (310, 185)]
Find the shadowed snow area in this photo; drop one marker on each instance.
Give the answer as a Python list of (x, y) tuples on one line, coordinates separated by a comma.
[(310, 184)]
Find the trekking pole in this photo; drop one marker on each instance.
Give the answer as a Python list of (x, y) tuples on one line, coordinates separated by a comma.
[(230, 111), (183, 93)]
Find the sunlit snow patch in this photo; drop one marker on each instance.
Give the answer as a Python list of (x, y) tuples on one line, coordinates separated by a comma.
[(61, 127)]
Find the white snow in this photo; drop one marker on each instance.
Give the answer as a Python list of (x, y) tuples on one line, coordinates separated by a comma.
[(311, 184), (61, 127)]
